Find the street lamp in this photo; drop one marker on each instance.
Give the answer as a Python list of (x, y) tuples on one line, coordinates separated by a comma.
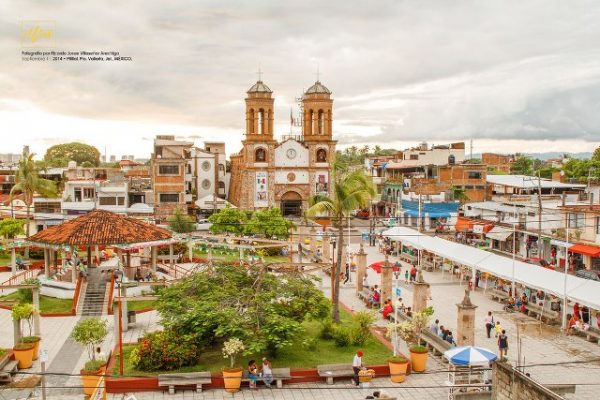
[(119, 283)]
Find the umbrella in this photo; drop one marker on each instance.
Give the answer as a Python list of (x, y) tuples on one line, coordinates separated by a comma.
[(470, 356), (379, 264)]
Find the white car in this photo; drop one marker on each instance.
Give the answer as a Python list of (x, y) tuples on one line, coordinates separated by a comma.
[(203, 225)]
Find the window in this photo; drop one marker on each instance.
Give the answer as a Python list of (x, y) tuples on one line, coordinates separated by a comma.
[(321, 116), (205, 166), (576, 220), (259, 156), (77, 194), (169, 197), (205, 184), (597, 225), (47, 207), (108, 201), (168, 169), (414, 156), (89, 193), (321, 155), (474, 175), (120, 201), (221, 168), (221, 185)]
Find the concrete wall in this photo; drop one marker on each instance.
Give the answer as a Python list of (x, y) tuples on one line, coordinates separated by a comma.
[(510, 384)]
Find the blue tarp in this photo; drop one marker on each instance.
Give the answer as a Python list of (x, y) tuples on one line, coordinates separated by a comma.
[(433, 210)]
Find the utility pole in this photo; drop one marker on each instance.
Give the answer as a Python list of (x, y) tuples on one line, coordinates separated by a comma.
[(540, 210)]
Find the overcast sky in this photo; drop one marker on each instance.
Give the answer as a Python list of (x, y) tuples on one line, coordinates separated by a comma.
[(512, 75)]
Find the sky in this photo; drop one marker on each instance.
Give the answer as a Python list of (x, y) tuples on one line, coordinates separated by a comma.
[(513, 76)]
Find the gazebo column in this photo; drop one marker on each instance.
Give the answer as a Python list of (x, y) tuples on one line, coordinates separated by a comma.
[(73, 271), (13, 261), (37, 330), (47, 263), (153, 256)]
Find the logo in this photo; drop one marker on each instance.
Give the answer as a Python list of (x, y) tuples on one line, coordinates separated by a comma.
[(38, 33)]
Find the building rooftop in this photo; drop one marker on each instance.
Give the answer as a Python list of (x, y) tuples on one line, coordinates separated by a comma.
[(530, 182), (259, 87), (318, 87)]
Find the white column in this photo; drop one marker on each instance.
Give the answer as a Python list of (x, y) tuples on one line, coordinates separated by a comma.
[(13, 261), (47, 263), (37, 331)]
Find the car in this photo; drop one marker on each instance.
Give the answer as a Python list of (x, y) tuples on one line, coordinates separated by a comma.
[(588, 274), (203, 225)]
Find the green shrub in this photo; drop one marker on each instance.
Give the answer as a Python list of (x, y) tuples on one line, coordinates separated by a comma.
[(418, 349), (342, 336), (93, 365), (326, 329), (360, 330), (164, 351), (309, 344)]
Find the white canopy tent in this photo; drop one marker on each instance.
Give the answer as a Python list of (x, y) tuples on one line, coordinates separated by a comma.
[(584, 291)]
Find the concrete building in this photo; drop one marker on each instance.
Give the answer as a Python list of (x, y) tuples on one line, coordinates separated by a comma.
[(171, 176), (285, 174), (501, 163)]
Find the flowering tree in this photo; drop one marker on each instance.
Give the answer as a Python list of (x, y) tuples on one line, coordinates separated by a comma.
[(231, 348), (410, 331)]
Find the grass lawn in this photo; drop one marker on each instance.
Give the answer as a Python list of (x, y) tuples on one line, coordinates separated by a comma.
[(137, 305), (47, 304), (297, 356)]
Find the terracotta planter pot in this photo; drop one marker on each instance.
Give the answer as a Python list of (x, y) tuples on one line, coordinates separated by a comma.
[(89, 380), (36, 346), (232, 379), (24, 356), (398, 370), (418, 360)]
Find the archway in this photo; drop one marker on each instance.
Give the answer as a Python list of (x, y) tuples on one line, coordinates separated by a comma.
[(291, 204)]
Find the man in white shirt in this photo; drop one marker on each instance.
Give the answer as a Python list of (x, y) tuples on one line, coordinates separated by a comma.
[(357, 365)]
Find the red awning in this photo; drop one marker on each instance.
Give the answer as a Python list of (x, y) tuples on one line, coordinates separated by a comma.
[(592, 251), (379, 264)]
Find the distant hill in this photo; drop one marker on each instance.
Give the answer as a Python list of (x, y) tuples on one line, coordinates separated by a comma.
[(551, 154)]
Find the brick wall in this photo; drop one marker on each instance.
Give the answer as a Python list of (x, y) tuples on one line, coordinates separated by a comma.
[(510, 384)]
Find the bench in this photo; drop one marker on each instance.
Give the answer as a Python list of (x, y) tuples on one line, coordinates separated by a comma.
[(279, 375), (499, 295), (436, 344), (8, 368), (591, 335), (364, 295), (534, 310), (184, 379), (330, 371)]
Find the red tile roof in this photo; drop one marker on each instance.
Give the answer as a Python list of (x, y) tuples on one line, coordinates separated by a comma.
[(101, 227)]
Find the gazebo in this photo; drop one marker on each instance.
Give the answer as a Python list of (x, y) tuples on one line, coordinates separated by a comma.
[(101, 228)]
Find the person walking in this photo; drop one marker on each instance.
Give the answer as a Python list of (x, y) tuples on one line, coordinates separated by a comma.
[(413, 274), (357, 365), (489, 323), (347, 272), (406, 273), (498, 329), (502, 345)]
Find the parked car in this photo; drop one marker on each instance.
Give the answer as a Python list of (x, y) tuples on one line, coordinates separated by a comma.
[(588, 274), (203, 225)]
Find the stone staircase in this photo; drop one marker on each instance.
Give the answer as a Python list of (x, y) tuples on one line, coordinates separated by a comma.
[(93, 303)]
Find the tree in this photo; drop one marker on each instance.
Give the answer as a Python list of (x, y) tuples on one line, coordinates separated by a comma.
[(90, 333), (523, 165), (28, 183), (11, 227), (181, 223), (460, 194), (260, 309), (269, 222), (59, 155), (596, 155), (228, 220), (352, 190)]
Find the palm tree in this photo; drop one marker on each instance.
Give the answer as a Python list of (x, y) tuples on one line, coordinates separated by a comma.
[(351, 190), (28, 182)]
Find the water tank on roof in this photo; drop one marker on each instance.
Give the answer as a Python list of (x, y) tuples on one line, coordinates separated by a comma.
[(451, 159), (72, 164)]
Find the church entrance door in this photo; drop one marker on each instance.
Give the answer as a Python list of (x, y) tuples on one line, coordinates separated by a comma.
[(291, 204)]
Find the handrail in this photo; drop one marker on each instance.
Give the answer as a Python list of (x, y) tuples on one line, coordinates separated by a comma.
[(76, 296), (21, 277), (109, 308)]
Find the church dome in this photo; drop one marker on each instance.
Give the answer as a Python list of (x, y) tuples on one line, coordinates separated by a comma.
[(319, 88), (259, 87)]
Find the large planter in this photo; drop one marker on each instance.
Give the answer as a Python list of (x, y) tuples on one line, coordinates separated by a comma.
[(232, 379), (35, 341), (24, 354), (398, 367), (89, 380), (418, 358)]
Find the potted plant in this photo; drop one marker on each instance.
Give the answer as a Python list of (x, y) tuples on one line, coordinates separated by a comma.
[(25, 350), (90, 333), (232, 376), (398, 367), (410, 332)]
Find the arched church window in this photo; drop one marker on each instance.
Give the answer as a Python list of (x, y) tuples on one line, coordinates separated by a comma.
[(261, 121), (321, 116), (251, 120), (260, 155), (321, 155)]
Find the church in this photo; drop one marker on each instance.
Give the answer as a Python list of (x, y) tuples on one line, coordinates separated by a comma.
[(286, 173)]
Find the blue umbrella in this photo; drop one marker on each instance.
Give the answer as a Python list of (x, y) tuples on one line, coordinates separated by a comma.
[(470, 356)]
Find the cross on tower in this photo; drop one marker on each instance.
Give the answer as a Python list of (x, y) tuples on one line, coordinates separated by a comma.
[(317, 72), (259, 73)]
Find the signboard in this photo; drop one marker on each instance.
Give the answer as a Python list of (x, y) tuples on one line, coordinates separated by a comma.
[(477, 228), (398, 292), (261, 198), (43, 355), (321, 183)]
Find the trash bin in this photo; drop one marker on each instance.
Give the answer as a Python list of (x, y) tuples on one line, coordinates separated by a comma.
[(131, 317)]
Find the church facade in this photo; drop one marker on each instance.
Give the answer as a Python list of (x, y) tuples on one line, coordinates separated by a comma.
[(286, 173)]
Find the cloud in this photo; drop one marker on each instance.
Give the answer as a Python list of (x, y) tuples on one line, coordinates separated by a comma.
[(399, 72)]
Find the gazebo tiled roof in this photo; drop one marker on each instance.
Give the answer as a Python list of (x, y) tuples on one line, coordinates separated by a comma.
[(101, 227)]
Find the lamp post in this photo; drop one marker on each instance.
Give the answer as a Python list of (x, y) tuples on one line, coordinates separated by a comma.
[(119, 284), (564, 310)]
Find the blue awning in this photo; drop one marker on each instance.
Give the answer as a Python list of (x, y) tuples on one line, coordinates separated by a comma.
[(433, 214)]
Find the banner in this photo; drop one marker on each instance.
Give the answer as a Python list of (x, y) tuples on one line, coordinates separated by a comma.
[(261, 198)]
